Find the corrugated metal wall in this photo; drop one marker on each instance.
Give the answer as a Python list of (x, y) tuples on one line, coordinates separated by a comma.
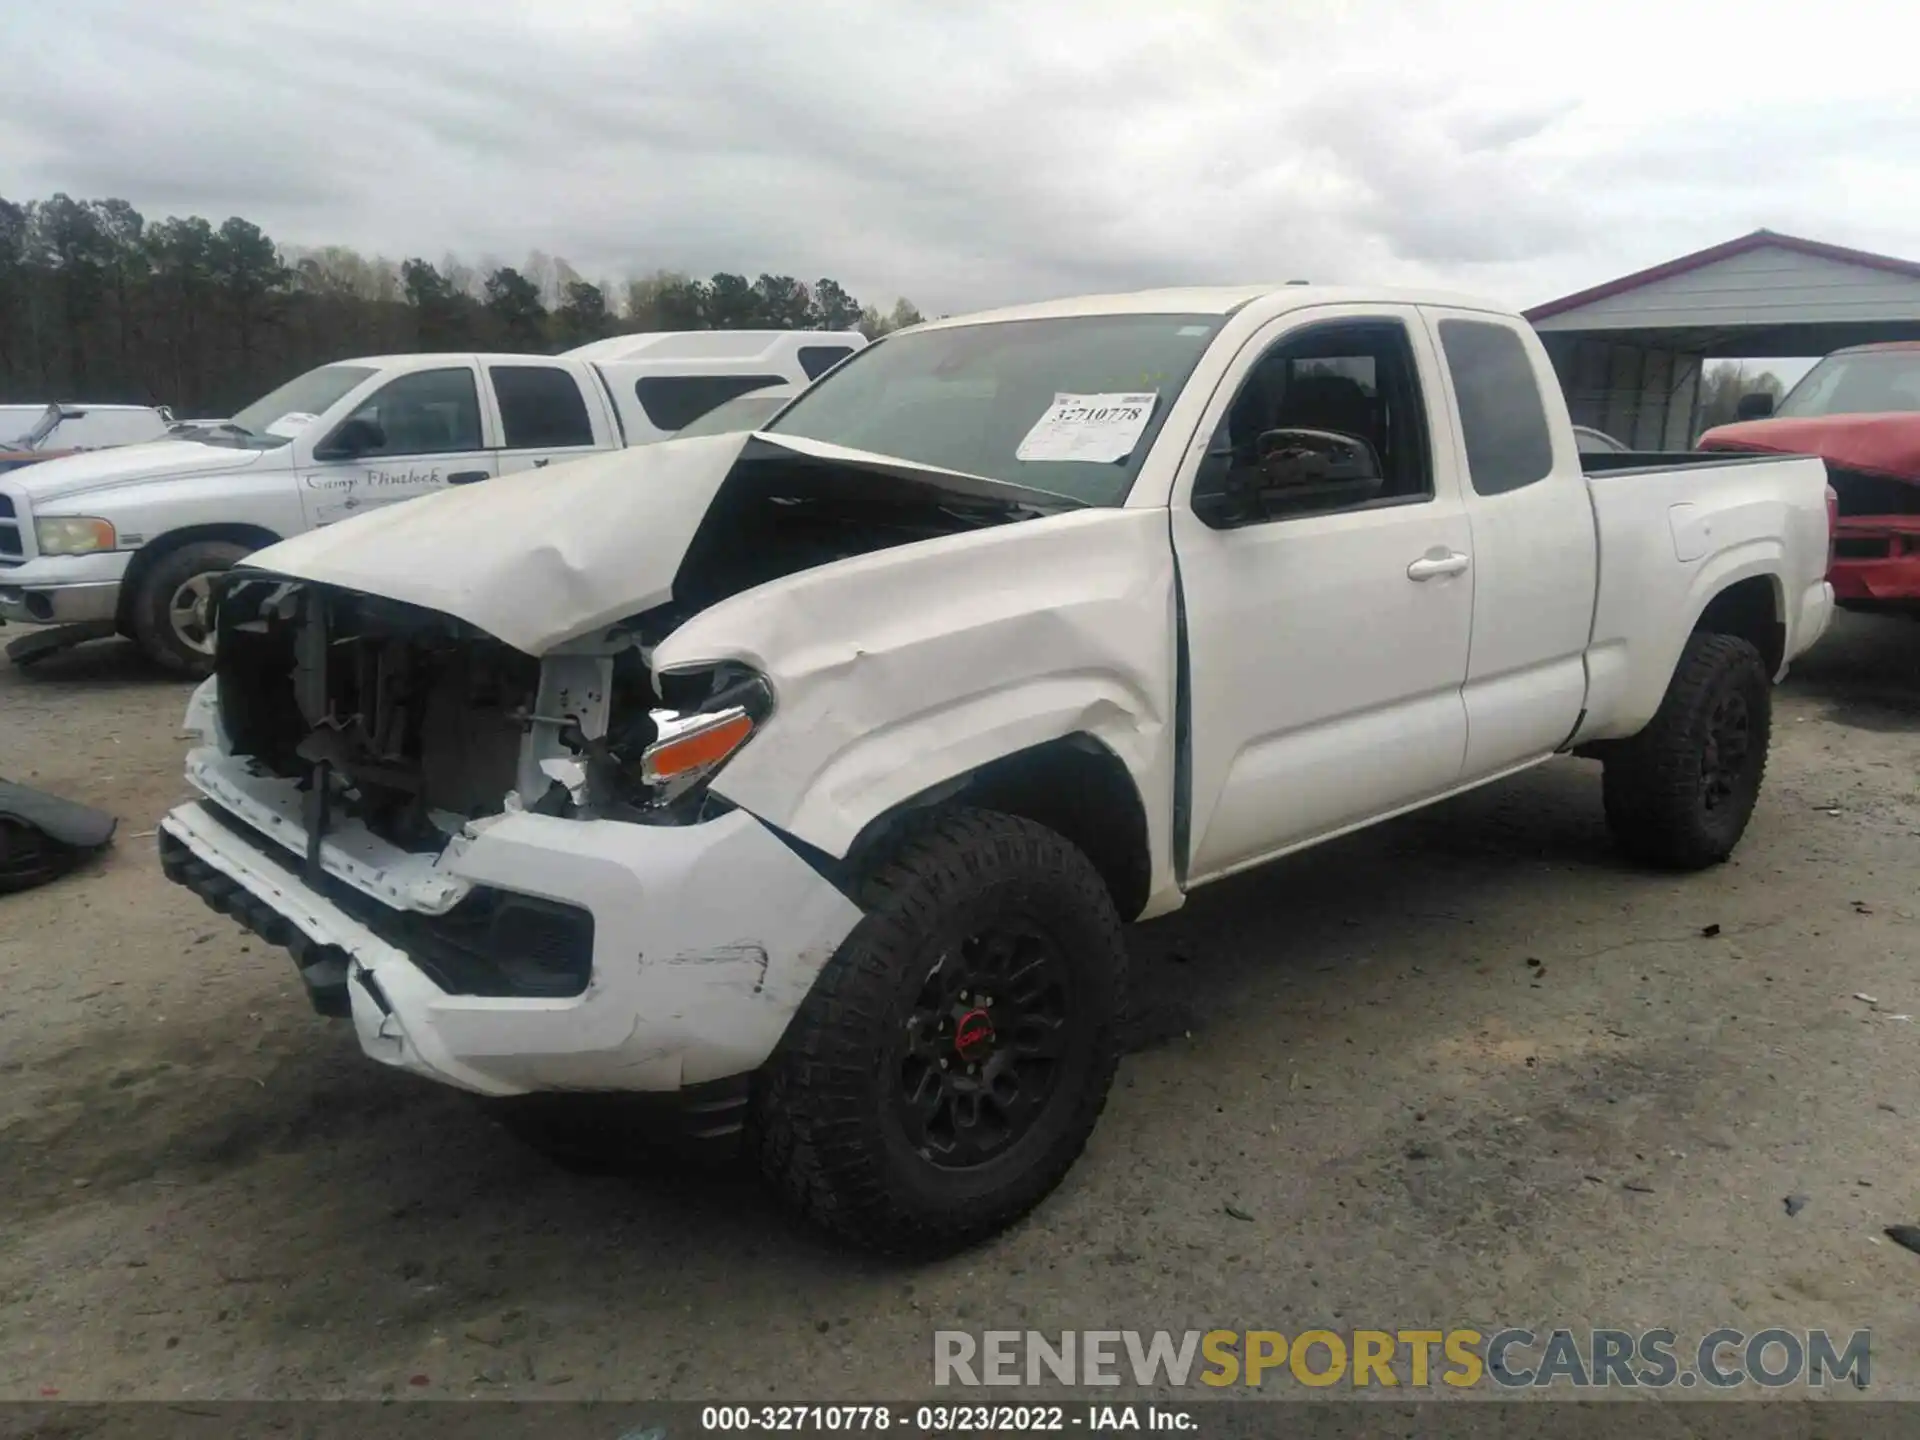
[(1642, 397), (1770, 286)]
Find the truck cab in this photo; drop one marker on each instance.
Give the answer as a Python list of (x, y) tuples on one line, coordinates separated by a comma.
[(662, 382)]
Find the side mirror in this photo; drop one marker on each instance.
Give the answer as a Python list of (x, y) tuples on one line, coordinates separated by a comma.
[(1315, 470), (353, 438), (1755, 406), (1293, 472)]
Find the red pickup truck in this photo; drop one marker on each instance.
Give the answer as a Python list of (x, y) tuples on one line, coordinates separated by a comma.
[(1859, 410)]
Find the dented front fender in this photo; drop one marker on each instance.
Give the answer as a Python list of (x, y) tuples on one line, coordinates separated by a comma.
[(896, 671)]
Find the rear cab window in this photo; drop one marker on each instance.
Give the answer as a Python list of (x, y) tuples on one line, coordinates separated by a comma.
[(816, 360), (672, 401), (1503, 421), (541, 407)]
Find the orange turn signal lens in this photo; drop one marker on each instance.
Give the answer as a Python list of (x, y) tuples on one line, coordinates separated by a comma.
[(696, 747)]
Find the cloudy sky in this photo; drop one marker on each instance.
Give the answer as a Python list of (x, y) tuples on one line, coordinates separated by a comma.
[(1017, 151)]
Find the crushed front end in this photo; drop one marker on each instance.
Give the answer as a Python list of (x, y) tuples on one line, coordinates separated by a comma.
[(1876, 541), (508, 871)]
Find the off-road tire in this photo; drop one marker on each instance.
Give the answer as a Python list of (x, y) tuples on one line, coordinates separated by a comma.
[(1654, 785), (821, 1125), (153, 627)]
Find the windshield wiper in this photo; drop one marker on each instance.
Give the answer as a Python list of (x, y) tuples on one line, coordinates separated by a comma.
[(219, 427)]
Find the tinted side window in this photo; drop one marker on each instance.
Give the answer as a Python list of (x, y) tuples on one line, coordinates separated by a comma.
[(1352, 380), (1501, 417), (425, 413), (675, 400), (540, 407), (816, 360)]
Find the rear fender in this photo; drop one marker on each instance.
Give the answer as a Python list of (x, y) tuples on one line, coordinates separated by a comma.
[(1627, 676)]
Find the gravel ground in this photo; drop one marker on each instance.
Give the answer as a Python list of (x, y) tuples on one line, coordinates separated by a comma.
[(1466, 1068)]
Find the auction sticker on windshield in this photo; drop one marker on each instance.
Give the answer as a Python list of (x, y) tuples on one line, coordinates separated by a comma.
[(289, 426), (1097, 428)]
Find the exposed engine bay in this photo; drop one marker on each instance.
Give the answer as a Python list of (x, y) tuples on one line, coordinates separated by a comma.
[(409, 721), (416, 723)]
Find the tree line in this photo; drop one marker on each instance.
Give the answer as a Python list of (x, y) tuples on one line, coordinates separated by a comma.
[(98, 304)]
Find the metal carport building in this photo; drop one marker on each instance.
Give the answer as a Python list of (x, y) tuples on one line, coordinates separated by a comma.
[(1630, 353)]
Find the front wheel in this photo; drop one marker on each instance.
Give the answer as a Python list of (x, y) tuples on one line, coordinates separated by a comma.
[(951, 1060), (1679, 794), (172, 607)]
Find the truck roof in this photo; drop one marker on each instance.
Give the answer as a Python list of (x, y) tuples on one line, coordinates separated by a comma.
[(1217, 300), (427, 359), (665, 345), (708, 344)]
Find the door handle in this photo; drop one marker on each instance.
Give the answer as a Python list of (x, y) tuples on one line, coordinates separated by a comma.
[(467, 477), (1427, 567)]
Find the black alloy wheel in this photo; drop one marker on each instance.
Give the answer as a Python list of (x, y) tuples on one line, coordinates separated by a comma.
[(984, 1043)]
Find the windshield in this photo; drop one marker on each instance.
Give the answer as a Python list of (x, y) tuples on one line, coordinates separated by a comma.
[(743, 412), (274, 419), (1069, 406), (1863, 382)]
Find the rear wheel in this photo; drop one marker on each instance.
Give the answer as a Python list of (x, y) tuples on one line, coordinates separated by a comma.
[(951, 1060), (1679, 794), (172, 607)]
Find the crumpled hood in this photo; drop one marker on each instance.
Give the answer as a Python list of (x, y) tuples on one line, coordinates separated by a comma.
[(96, 470), (543, 556), (1887, 444)]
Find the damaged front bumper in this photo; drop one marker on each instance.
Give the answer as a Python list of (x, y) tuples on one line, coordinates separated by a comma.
[(1877, 562), (700, 940), (61, 589)]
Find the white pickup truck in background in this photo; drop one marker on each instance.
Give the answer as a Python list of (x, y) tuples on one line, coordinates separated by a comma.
[(797, 783), (131, 539)]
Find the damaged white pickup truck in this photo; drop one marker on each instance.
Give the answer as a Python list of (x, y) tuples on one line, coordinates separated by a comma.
[(800, 782)]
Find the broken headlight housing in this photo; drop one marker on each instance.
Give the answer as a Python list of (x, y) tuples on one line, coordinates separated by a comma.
[(710, 714)]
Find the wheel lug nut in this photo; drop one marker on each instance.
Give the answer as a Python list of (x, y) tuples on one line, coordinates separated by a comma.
[(943, 1064)]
